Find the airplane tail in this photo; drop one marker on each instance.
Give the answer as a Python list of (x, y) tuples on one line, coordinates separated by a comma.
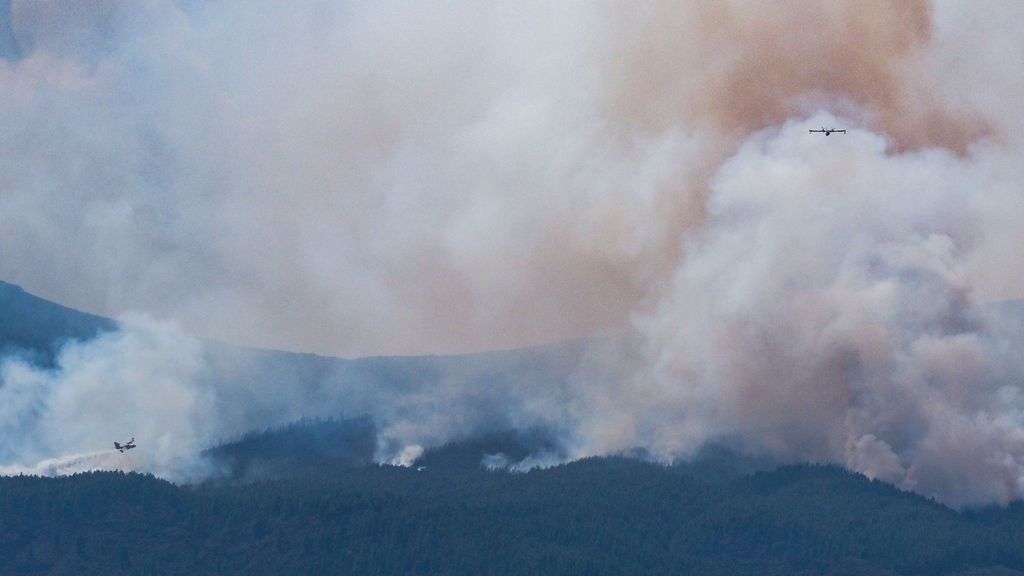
[(117, 446)]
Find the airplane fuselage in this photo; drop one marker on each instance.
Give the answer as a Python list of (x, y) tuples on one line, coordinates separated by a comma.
[(126, 446)]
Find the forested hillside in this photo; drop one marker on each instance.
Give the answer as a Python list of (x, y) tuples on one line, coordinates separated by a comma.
[(596, 516), (36, 328), (307, 499)]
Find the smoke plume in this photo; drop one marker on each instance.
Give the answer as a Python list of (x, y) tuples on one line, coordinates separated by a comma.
[(380, 178)]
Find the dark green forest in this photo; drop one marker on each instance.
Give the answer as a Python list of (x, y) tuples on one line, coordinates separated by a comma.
[(595, 516)]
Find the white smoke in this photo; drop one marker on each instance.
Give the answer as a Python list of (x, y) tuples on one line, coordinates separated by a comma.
[(72, 464), (142, 381), (407, 456), (369, 178), (539, 460)]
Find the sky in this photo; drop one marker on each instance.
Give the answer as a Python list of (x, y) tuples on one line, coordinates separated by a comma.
[(365, 178)]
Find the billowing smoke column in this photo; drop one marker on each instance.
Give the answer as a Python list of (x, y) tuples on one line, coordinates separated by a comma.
[(369, 178), (824, 311), (144, 380)]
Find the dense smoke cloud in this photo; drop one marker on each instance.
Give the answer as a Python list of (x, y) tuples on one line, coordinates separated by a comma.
[(373, 178), (143, 379), (824, 311), (368, 178)]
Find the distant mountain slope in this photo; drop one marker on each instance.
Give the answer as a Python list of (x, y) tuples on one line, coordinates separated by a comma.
[(297, 449), (310, 501), (38, 327), (9, 48), (595, 516), (258, 389)]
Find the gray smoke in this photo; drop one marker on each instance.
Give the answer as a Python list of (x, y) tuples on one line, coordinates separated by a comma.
[(372, 178)]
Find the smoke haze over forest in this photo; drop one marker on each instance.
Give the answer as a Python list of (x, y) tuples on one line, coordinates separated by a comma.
[(371, 178)]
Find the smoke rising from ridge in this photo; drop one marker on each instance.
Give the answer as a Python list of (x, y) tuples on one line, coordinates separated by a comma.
[(372, 178)]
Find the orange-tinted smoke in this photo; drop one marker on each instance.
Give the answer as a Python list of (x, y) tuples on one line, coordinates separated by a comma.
[(742, 66)]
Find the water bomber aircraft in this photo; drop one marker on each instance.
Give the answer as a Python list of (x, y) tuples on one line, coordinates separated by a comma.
[(827, 131), (126, 446)]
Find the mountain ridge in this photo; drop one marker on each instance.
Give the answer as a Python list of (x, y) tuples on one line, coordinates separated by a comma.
[(307, 497), (38, 327)]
